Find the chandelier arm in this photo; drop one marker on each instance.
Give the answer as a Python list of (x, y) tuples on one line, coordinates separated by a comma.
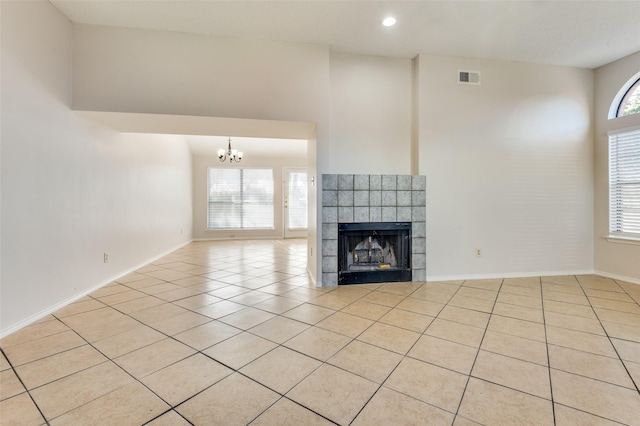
[(230, 154)]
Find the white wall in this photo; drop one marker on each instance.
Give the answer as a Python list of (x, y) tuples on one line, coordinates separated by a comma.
[(71, 189), (127, 70), (371, 111), (200, 165), (124, 70), (611, 258), (509, 168)]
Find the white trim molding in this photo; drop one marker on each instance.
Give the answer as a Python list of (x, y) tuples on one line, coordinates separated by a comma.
[(245, 238), (507, 275), (621, 239)]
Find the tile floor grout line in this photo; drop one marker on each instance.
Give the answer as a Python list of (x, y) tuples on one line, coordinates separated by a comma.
[(423, 334), (484, 333), (164, 413), (592, 414), (404, 356), (23, 386), (234, 370), (624, 291), (373, 394), (66, 375), (281, 395), (307, 408), (546, 346), (592, 378), (109, 359), (615, 349), (112, 361), (40, 338), (198, 313), (171, 337)]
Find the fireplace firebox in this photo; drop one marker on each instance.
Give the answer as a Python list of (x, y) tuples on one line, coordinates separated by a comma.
[(374, 252)]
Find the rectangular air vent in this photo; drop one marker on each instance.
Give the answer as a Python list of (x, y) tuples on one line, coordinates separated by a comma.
[(468, 77)]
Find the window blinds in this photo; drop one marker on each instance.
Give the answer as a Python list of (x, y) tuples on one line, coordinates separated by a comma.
[(624, 183), (240, 198), (297, 200)]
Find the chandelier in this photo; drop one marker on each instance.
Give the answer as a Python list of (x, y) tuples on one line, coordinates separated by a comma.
[(232, 154)]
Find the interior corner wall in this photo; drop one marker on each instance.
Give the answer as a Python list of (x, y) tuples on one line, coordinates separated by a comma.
[(200, 165), (415, 116), (615, 259), (314, 239), (371, 115), (73, 190), (509, 166)]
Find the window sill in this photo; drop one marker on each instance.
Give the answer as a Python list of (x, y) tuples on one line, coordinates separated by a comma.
[(621, 239), (239, 229)]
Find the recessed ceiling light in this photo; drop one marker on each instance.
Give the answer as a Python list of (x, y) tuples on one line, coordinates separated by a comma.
[(389, 22)]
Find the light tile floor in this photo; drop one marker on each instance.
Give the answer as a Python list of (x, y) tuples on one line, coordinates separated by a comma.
[(233, 333)]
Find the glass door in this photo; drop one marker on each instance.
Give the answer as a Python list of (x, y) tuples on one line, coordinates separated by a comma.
[(295, 203)]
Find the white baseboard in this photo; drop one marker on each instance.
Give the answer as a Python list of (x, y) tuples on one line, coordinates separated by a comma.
[(237, 238), (618, 277), (313, 278), (507, 275), (35, 317), (514, 275)]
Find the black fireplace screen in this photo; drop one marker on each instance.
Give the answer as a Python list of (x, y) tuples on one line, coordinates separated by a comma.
[(374, 252)]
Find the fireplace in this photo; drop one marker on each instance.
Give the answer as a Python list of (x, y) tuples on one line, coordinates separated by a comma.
[(374, 252), (359, 200)]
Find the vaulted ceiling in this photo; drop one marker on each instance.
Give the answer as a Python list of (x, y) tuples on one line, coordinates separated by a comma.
[(574, 33)]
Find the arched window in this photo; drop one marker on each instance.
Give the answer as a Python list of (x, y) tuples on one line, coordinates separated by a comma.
[(624, 165), (630, 103)]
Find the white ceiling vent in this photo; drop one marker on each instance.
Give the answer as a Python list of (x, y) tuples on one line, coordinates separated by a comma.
[(469, 77)]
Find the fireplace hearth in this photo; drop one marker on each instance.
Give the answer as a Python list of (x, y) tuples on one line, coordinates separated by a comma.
[(374, 252)]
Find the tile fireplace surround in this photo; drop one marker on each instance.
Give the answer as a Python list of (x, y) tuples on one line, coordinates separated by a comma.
[(372, 198)]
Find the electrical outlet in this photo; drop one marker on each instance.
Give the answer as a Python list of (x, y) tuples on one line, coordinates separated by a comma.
[(180, 230), (310, 250), (106, 257), (478, 252)]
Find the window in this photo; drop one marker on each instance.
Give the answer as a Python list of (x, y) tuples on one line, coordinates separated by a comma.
[(624, 184), (239, 198), (297, 200), (630, 103)]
